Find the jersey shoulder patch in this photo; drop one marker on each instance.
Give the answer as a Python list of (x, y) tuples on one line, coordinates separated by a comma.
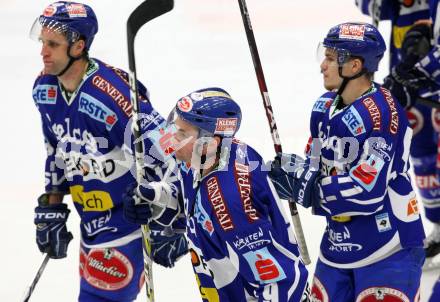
[(323, 103)]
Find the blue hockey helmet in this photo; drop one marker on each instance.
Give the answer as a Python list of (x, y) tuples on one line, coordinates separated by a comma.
[(75, 20), (354, 39), (212, 110)]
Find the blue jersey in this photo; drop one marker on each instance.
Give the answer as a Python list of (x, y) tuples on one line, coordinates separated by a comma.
[(89, 147), (241, 241), (402, 14), (363, 151), (430, 64)]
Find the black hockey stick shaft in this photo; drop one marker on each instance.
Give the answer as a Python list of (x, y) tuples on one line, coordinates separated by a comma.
[(428, 102), (145, 12), (376, 6), (36, 278), (272, 124)]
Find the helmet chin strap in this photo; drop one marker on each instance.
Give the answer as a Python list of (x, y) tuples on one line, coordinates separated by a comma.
[(348, 79), (72, 59)]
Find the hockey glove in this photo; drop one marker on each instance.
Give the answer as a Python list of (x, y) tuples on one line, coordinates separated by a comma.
[(135, 209), (293, 178), (167, 247), (52, 235), (155, 200), (405, 95)]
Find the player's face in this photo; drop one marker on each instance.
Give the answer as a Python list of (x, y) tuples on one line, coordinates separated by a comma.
[(184, 137), (329, 69), (54, 51)]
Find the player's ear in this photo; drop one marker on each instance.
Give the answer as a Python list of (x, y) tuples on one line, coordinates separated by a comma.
[(78, 48), (357, 65)]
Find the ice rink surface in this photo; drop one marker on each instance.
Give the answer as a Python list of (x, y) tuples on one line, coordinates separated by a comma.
[(201, 43)]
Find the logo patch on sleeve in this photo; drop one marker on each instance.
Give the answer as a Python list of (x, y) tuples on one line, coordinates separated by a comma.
[(367, 173), (45, 94), (265, 267), (97, 110), (383, 222), (322, 104), (353, 121)]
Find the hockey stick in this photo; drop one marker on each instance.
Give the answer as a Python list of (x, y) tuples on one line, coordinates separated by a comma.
[(375, 12), (36, 278), (428, 102), (145, 12), (271, 119)]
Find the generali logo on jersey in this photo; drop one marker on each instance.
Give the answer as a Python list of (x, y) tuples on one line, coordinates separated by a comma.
[(352, 31), (374, 113), (114, 93), (242, 178), (215, 196), (394, 124)]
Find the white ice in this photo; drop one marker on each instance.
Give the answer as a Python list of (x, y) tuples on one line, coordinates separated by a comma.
[(200, 43)]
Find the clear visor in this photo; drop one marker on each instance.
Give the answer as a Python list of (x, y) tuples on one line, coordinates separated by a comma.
[(181, 137), (332, 56), (44, 28)]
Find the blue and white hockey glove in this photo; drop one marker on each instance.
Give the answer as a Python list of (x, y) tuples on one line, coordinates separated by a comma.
[(136, 210), (155, 200), (52, 235), (168, 245), (293, 178)]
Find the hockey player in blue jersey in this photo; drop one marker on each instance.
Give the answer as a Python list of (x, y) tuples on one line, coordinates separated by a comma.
[(241, 241), (356, 175), (85, 113), (410, 41)]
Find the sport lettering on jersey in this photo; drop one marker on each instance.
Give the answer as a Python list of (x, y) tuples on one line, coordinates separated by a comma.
[(215, 196), (352, 31), (374, 113), (45, 94), (97, 110), (242, 178), (353, 121), (394, 120), (264, 266), (114, 93)]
